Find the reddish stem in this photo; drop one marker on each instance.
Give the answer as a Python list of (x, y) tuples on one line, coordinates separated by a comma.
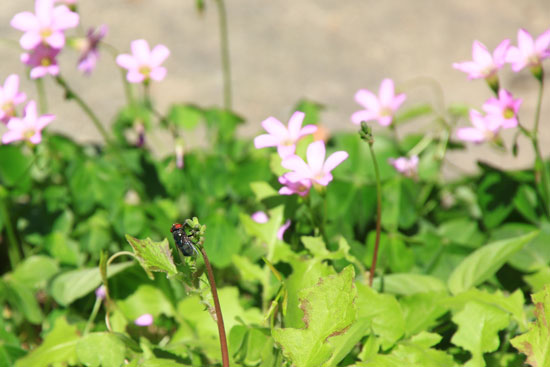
[(219, 317)]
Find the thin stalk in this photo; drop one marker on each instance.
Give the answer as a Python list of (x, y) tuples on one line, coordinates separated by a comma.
[(224, 48), (93, 315), (219, 317), (541, 173), (42, 99), (13, 246), (378, 213), (127, 87), (71, 94)]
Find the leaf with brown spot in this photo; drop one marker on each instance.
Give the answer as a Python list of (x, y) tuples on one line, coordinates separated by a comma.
[(535, 343)]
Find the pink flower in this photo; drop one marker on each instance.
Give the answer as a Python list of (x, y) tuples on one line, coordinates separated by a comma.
[(381, 108), (260, 217), (144, 320), (300, 187), (10, 97), (529, 52), (407, 166), (144, 64), (46, 26), (89, 53), (282, 229), (485, 128), (42, 61), (101, 292), (316, 170), (504, 109), (484, 65), (284, 138), (179, 155), (27, 128)]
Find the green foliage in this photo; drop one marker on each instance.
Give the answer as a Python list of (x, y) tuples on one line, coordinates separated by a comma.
[(455, 262), (329, 311), (535, 343)]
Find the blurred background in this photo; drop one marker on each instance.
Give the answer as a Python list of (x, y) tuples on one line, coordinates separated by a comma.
[(283, 51)]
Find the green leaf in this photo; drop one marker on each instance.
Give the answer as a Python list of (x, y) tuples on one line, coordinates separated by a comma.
[(153, 256), (69, 286), (312, 110), (146, 299), (14, 167), (526, 202), (63, 248), (409, 283), (539, 279), (496, 193), (185, 116), (100, 349), (385, 313), (262, 190), (478, 326), (22, 299), (484, 262), (329, 310), (535, 343), (513, 303), (58, 347), (35, 271), (421, 311), (533, 256), (398, 201), (222, 240)]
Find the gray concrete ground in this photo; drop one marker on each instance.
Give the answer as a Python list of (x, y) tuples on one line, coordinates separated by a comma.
[(284, 50)]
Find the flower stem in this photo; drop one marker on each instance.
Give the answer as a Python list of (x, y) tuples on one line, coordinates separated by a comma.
[(378, 212), (93, 315), (71, 94), (224, 48), (541, 172), (219, 317), (42, 100), (13, 247)]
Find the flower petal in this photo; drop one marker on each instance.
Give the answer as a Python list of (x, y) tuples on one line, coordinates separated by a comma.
[(158, 73), (525, 42), (63, 18), (499, 54), (543, 42), (30, 111), (470, 134), (481, 55), (30, 40), (134, 76), (367, 99), (316, 156), (265, 140), (43, 121), (43, 10), (306, 130), (286, 150), (334, 160), (140, 50), (275, 127), (159, 54), (260, 217), (387, 92), (25, 21), (11, 85), (295, 124), (38, 72), (282, 229), (36, 138), (56, 40), (364, 115), (398, 101), (297, 165), (11, 136), (127, 61)]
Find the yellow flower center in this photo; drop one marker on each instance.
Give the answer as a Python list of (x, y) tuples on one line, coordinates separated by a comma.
[(46, 32), (46, 61), (508, 113), (8, 108), (145, 70), (29, 134), (386, 111)]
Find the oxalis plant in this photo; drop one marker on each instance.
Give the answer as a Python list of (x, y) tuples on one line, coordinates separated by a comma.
[(323, 248)]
